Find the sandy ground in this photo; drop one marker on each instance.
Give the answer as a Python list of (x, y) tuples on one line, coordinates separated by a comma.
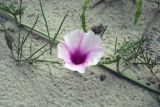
[(51, 85)]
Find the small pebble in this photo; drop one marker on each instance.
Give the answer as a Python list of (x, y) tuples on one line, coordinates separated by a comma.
[(102, 77), (98, 29)]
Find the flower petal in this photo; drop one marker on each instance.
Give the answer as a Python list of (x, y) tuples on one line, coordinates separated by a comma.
[(73, 39), (90, 42), (79, 45), (94, 57), (73, 67), (63, 52)]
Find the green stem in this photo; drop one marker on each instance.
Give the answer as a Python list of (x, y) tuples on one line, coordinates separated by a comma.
[(16, 20), (129, 79)]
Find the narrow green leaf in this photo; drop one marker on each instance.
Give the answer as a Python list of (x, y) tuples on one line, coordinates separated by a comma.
[(82, 16), (45, 20), (138, 11), (53, 40)]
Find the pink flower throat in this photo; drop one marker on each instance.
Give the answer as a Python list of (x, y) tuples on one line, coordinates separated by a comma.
[(78, 57)]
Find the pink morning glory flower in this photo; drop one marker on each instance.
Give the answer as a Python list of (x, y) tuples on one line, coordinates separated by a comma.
[(80, 50)]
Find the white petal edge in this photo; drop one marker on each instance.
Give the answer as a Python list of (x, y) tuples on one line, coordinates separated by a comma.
[(74, 38), (63, 52), (91, 41), (94, 57), (78, 68)]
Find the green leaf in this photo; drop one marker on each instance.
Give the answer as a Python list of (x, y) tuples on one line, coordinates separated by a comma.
[(82, 16), (138, 11)]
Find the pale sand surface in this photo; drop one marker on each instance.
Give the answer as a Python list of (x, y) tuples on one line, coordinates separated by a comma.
[(51, 85)]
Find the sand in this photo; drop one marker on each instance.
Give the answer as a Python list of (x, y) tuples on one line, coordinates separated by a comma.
[(52, 85)]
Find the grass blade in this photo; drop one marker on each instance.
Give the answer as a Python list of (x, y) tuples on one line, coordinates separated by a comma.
[(19, 35), (36, 58), (44, 61), (35, 52), (30, 30), (82, 16), (138, 11), (21, 43), (53, 40), (20, 14), (44, 19), (48, 34)]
